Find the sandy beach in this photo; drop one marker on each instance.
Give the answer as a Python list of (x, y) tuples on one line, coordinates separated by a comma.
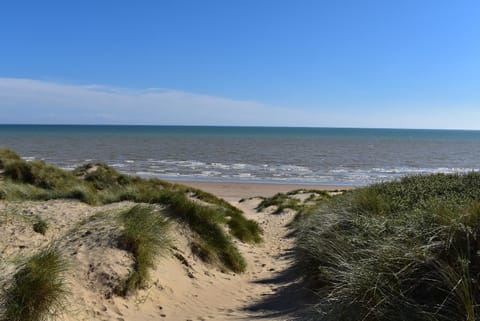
[(235, 191)]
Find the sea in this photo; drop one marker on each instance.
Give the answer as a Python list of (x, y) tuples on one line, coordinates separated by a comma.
[(283, 155)]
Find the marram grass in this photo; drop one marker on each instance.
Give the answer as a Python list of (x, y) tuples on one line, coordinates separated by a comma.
[(145, 235), (98, 184), (406, 250), (38, 291), (40, 225)]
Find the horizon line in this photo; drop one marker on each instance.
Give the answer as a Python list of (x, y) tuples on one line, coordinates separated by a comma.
[(234, 126)]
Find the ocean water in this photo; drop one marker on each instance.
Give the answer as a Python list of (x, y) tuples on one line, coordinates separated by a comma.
[(325, 156)]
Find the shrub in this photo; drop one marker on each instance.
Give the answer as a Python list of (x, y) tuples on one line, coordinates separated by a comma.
[(38, 291)]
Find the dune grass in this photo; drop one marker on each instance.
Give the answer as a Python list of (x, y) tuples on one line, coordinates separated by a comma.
[(40, 181), (101, 176), (283, 201), (40, 225), (38, 291), (206, 222), (145, 235), (406, 250), (245, 230), (310, 205), (98, 184)]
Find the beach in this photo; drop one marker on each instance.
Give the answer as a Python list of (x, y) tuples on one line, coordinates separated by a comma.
[(239, 275), (240, 161), (245, 215), (233, 192), (182, 287)]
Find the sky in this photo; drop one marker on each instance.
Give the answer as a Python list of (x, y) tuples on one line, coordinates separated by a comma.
[(365, 63)]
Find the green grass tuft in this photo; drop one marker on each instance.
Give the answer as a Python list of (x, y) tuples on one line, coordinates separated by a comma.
[(40, 225), (206, 222), (6, 156), (40, 181), (101, 176), (38, 291), (245, 230), (283, 201), (145, 235)]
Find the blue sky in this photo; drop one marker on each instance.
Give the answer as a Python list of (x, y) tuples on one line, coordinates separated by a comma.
[(407, 64)]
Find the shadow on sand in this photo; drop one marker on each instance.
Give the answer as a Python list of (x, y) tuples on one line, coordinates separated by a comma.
[(288, 302)]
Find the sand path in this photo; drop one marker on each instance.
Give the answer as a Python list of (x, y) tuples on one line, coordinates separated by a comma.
[(215, 295)]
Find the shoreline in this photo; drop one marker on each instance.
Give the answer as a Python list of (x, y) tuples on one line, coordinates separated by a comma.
[(232, 191)]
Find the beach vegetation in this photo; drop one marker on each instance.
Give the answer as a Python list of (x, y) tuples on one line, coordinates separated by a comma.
[(145, 235), (245, 230), (38, 290), (202, 251), (206, 222), (290, 200), (214, 221), (7, 155), (404, 250), (101, 176), (38, 180), (40, 225), (281, 201)]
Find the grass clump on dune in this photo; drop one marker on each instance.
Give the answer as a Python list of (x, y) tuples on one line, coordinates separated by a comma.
[(38, 291), (101, 176), (6, 155), (204, 213), (240, 227), (145, 235), (206, 222), (205, 219), (281, 201), (40, 181), (40, 225), (290, 200), (406, 250)]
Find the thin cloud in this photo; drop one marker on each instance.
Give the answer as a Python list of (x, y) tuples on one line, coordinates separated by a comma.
[(27, 101), (45, 102)]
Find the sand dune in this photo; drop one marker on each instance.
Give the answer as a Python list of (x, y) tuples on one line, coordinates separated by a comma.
[(182, 287)]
